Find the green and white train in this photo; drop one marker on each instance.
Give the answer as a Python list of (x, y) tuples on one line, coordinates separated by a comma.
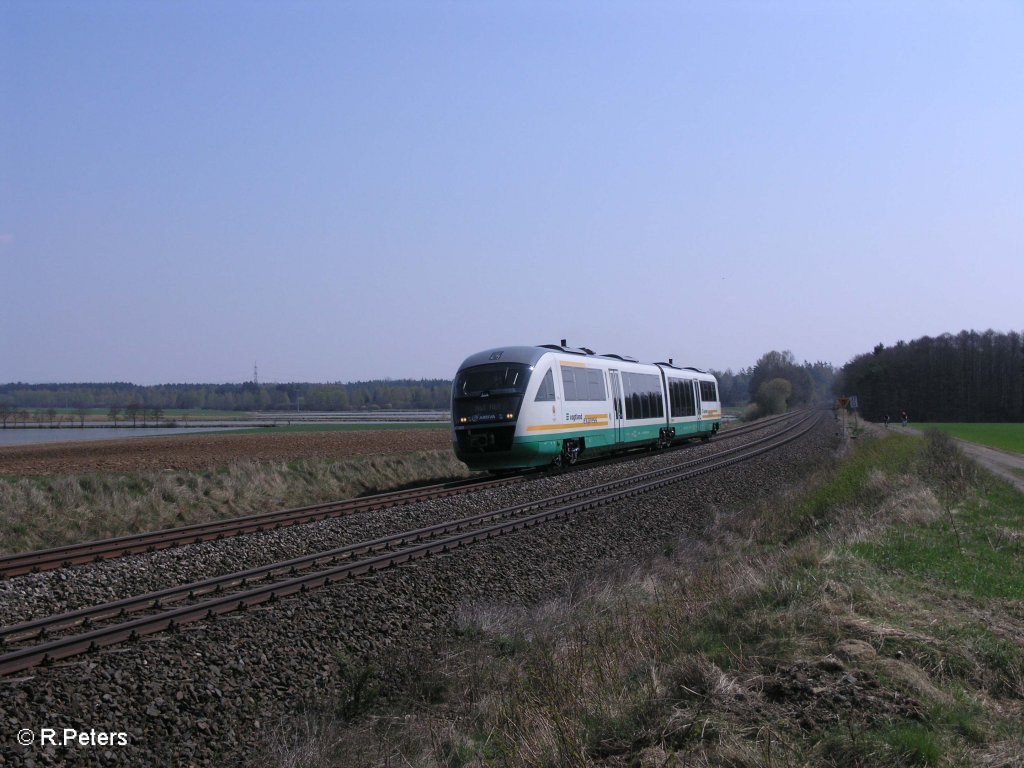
[(518, 407)]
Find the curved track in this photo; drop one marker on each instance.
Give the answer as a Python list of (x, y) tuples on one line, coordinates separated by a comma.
[(151, 541), (308, 572)]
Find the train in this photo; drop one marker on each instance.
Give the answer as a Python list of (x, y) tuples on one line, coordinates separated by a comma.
[(519, 407)]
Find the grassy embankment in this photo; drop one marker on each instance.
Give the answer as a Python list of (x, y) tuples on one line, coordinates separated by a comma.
[(40, 512), (870, 618)]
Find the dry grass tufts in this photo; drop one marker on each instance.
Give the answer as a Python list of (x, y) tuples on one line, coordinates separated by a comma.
[(51, 511)]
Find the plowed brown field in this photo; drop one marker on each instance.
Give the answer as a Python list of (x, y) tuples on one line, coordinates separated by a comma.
[(210, 451)]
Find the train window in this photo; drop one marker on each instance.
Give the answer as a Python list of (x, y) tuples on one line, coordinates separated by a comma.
[(708, 391), (546, 391), (583, 383), (633, 406), (491, 379), (681, 398), (569, 382), (644, 398)]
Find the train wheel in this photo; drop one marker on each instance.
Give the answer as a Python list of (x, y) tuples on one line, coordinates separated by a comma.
[(570, 452)]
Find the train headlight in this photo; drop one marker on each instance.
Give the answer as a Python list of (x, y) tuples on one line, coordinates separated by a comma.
[(510, 416), (463, 420)]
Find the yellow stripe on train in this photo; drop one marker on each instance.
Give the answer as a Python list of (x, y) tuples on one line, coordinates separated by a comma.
[(579, 425)]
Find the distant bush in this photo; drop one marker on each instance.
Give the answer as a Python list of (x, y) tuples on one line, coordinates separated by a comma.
[(773, 396), (752, 412)]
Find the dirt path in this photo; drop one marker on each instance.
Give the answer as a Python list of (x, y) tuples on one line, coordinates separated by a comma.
[(1008, 466)]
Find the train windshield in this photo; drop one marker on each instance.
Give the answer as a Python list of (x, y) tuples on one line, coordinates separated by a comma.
[(497, 379)]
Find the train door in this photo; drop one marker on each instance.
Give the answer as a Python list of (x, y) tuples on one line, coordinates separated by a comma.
[(618, 413), (695, 388)]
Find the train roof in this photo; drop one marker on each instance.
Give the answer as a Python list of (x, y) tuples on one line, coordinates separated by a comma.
[(527, 355), (532, 355)]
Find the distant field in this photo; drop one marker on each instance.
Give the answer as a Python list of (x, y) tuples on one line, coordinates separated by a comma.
[(167, 414), (1006, 437), (199, 415), (348, 427)]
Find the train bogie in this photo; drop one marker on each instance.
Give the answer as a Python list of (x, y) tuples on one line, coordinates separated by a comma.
[(521, 407)]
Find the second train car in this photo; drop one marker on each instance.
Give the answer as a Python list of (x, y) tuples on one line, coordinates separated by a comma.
[(517, 407)]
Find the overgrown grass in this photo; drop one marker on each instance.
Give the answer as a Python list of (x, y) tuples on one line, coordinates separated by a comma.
[(872, 618), (975, 552), (40, 512), (1006, 437)]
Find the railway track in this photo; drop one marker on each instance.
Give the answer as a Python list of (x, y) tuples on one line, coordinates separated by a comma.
[(234, 591), (152, 541)]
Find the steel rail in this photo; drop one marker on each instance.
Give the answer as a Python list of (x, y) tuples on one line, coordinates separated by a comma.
[(169, 538), (72, 645), (157, 599)]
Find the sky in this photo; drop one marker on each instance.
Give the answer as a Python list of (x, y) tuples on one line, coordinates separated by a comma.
[(341, 191)]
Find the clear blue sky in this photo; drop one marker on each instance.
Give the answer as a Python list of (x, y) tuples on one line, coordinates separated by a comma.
[(352, 190)]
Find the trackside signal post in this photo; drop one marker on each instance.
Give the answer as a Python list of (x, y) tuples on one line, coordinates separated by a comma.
[(848, 405)]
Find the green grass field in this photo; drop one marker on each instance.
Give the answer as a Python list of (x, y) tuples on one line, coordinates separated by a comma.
[(1005, 437)]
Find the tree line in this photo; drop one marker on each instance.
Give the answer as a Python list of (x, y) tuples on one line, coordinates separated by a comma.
[(968, 377), (971, 376), (401, 394)]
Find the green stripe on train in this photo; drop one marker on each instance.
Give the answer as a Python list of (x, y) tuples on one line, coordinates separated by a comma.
[(541, 450), (550, 445)]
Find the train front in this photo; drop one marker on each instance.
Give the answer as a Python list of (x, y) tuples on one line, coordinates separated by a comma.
[(487, 396)]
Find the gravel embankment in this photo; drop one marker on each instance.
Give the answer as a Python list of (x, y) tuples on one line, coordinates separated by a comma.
[(43, 594), (214, 693)]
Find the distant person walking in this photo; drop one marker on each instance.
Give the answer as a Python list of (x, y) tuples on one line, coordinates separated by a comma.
[(903, 417), (887, 421)]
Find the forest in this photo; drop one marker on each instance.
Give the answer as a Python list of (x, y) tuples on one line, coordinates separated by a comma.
[(969, 377)]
